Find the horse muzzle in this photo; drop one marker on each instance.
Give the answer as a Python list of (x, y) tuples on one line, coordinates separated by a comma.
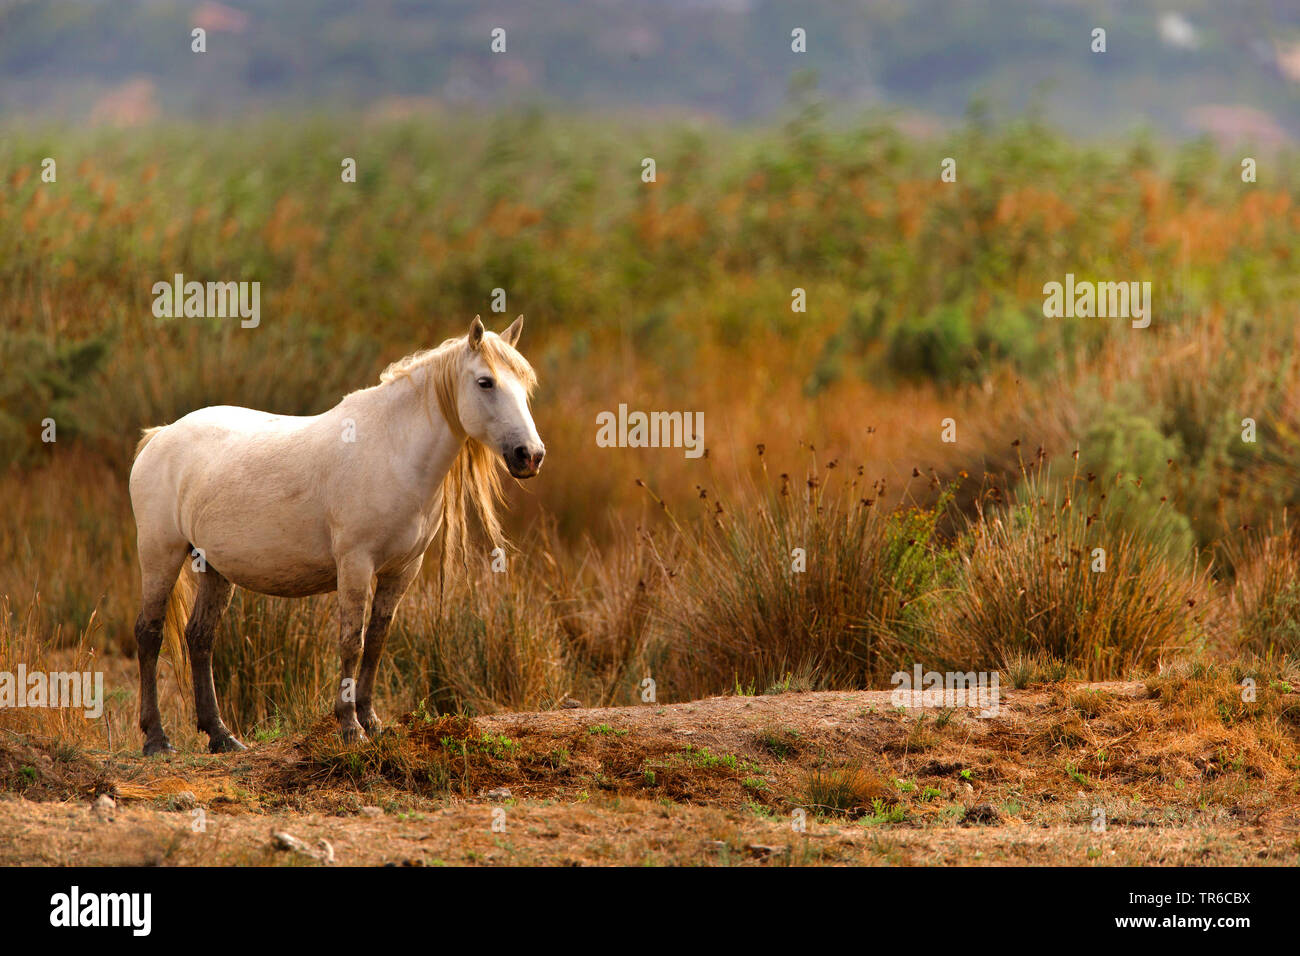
[(524, 462)]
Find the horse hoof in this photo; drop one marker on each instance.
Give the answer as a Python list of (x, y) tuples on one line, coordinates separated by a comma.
[(225, 745), (353, 735), (154, 747), (373, 727)]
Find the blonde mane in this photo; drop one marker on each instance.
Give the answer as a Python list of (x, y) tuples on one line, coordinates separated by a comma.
[(474, 481)]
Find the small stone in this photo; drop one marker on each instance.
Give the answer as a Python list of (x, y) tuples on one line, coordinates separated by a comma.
[(185, 800), (323, 853), (287, 841), (499, 793), (764, 850), (371, 812), (570, 703)]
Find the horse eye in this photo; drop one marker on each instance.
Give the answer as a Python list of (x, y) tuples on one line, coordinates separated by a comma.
[(485, 382)]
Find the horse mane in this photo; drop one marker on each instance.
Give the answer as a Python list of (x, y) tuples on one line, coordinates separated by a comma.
[(474, 481)]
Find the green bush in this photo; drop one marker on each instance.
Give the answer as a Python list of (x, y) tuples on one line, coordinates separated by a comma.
[(1130, 450), (950, 346)]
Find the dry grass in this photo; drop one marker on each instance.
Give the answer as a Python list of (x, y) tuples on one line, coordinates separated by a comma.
[(22, 642), (849, 790), (1050, 577), (808, 575), (1266, 595)]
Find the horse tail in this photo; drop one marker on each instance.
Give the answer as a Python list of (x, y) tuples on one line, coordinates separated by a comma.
[(180, 603), (145, 435)]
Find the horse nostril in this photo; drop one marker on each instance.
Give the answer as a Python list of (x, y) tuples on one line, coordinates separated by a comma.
[(537, 459), (521, 453)]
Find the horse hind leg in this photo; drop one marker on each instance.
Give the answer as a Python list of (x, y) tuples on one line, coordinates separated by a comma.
[(159, 567), (200, 632)]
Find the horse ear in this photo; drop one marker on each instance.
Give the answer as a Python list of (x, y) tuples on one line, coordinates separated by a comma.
[(476, 333), (511, 335)]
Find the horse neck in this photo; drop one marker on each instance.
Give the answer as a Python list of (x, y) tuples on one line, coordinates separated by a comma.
[(419, 432)]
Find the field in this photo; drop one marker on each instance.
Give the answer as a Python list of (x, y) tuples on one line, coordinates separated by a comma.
[(1173, 771), (942, 460)]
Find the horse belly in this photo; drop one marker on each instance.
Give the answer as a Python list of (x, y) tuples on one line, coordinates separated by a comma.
[(274, 546), (284, 581)]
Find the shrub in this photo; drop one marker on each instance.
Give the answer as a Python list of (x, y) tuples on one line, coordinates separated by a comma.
[(740, 612), (1030, 589), (1125, 448), (951, 345)]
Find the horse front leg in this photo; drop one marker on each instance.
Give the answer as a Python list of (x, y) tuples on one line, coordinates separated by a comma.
[(354, 592), (389, 590)]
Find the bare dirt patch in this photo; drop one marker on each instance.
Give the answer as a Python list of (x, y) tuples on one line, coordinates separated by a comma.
[(1175, 770)]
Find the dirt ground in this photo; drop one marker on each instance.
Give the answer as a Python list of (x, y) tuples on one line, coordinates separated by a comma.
[(1175, 771)]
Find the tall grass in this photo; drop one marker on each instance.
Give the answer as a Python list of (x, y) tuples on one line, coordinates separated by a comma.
[(67, 548), (1050, 578), (809, 577), (22, 643), (1266, 594)]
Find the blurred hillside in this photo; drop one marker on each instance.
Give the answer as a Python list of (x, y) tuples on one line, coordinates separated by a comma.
[(1231, 69)]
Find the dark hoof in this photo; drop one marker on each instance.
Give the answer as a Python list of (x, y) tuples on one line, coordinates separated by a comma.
[(353, 734), (372, 727), (161, 746), (225, 745)]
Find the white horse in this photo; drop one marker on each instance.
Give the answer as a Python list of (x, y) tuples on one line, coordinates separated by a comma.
[(348, 500)]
